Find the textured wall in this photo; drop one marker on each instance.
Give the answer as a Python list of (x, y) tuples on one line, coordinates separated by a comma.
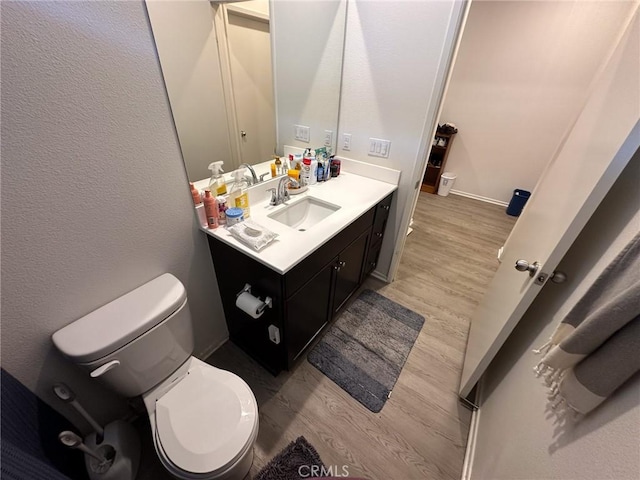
[(395, 53), (521, 77), (517, 437), (94, 194)]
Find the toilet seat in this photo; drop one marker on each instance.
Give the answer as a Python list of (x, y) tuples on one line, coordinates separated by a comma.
[(205, 423)]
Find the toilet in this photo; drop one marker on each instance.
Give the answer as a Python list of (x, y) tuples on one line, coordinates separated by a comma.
[(204, 420)]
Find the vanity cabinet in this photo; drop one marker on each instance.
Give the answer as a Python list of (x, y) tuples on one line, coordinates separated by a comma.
[(306, 298)]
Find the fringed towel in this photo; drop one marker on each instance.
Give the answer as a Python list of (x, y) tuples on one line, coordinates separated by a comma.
[(596, 348)]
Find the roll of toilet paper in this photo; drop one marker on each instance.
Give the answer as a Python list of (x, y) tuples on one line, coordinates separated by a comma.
[(250, 305)]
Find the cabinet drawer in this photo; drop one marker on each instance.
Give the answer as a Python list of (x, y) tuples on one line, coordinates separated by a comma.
[(305, 270), (380, 222), (371, 261)]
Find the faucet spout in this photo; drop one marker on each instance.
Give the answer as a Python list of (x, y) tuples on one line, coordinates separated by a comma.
[(281, 194), (254, 177)]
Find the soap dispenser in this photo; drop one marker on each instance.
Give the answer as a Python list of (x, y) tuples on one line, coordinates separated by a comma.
[(217, 184)]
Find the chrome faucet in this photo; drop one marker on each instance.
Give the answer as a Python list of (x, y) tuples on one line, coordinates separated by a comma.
[(281, 195), (254, 177)]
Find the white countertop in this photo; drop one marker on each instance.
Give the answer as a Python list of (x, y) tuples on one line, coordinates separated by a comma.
[(355, 194)]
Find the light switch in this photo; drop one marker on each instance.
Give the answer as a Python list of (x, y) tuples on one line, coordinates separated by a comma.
[(379, 147), (346, 141), (302, 133)]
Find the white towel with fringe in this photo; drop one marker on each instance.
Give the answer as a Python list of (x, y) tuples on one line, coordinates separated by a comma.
[(596, 347)]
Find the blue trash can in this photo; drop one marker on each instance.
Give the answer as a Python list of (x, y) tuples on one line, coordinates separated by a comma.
[(517, 202)]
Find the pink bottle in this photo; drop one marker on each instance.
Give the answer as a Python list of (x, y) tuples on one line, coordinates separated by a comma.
[(195, 194), (210, 209)]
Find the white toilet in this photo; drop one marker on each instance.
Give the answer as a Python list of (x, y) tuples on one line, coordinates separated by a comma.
[(204, 420)]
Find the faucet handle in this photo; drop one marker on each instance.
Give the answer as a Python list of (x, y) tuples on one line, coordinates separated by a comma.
[(274, 196)]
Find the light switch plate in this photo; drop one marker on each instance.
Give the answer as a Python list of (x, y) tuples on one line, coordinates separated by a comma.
[(302, 133), (379, 147)]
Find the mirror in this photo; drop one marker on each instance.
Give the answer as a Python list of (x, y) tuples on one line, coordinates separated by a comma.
[(243, 77)]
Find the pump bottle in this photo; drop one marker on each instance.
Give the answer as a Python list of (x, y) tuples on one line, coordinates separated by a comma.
[(217, 184), (239, 195)]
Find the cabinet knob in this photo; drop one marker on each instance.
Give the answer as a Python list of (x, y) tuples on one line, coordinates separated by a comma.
[(379, 234), (342, 264), (385, 207)]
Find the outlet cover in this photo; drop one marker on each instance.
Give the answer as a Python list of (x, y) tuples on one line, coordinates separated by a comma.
[(328, 138), (346, 141)]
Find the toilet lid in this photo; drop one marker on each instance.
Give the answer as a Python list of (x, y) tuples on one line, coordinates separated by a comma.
[(205, 422)]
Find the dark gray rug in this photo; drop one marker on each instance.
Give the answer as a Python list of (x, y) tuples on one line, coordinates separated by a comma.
[(287, 464), (365, 350)]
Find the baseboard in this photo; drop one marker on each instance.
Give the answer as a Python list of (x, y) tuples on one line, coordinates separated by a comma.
[(379, 276), (212, 348), (471, 446), (478, 197)]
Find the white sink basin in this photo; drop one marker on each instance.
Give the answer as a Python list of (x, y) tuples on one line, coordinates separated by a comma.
[(305, 213)]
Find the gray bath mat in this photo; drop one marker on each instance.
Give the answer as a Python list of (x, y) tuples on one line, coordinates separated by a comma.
[(286, 465), (365, 350)]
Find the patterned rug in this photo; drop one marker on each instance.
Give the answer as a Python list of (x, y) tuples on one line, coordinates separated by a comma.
[(365, 350), (294, 462)]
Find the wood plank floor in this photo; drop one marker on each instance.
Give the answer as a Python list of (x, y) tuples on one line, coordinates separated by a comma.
[(421, 432)]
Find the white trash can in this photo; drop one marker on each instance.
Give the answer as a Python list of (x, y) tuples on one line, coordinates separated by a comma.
[(446, 182)]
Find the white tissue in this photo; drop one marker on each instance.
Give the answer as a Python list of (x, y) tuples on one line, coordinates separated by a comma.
[(245, 232), (249, 304)]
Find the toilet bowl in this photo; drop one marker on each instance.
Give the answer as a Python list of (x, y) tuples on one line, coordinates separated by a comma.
[(204, 420)]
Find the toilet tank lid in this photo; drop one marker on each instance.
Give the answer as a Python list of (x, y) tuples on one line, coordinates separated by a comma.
[(115, 324)]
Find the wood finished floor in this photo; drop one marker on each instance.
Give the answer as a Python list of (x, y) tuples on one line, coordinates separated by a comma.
[(421, 432)]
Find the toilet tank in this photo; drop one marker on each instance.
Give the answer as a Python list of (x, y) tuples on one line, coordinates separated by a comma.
[(134, 342)]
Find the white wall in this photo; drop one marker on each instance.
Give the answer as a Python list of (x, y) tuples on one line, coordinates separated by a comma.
[(95, 199), (188, 51), (308, 40), (517, 437), (394, 54), (521, 77)]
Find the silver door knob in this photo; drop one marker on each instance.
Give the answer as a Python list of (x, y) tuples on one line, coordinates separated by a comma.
[(523, 266), (243, 133)]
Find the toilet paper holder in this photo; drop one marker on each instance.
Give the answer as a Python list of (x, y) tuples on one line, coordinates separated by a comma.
[(267, 302)]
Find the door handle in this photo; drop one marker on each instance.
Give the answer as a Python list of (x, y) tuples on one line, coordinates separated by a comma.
[(524, 266)]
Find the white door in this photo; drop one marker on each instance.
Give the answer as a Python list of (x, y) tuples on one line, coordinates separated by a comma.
[(252, 80), (603, 139)]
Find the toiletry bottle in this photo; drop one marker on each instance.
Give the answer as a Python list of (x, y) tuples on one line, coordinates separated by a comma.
[(274, 170), (195, 194), (310, 159), (295, 175), (279, 170), (320, 174), (305, 173), (239, 196), (217, 183), (211, 209), (222, 209)]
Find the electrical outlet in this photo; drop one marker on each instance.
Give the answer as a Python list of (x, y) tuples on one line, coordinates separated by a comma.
[(346, 141), (379, 147), (302, 133), (328, 138)]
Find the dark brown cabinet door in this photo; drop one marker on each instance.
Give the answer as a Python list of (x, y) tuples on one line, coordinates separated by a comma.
[(308, 311), (348, 270)]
